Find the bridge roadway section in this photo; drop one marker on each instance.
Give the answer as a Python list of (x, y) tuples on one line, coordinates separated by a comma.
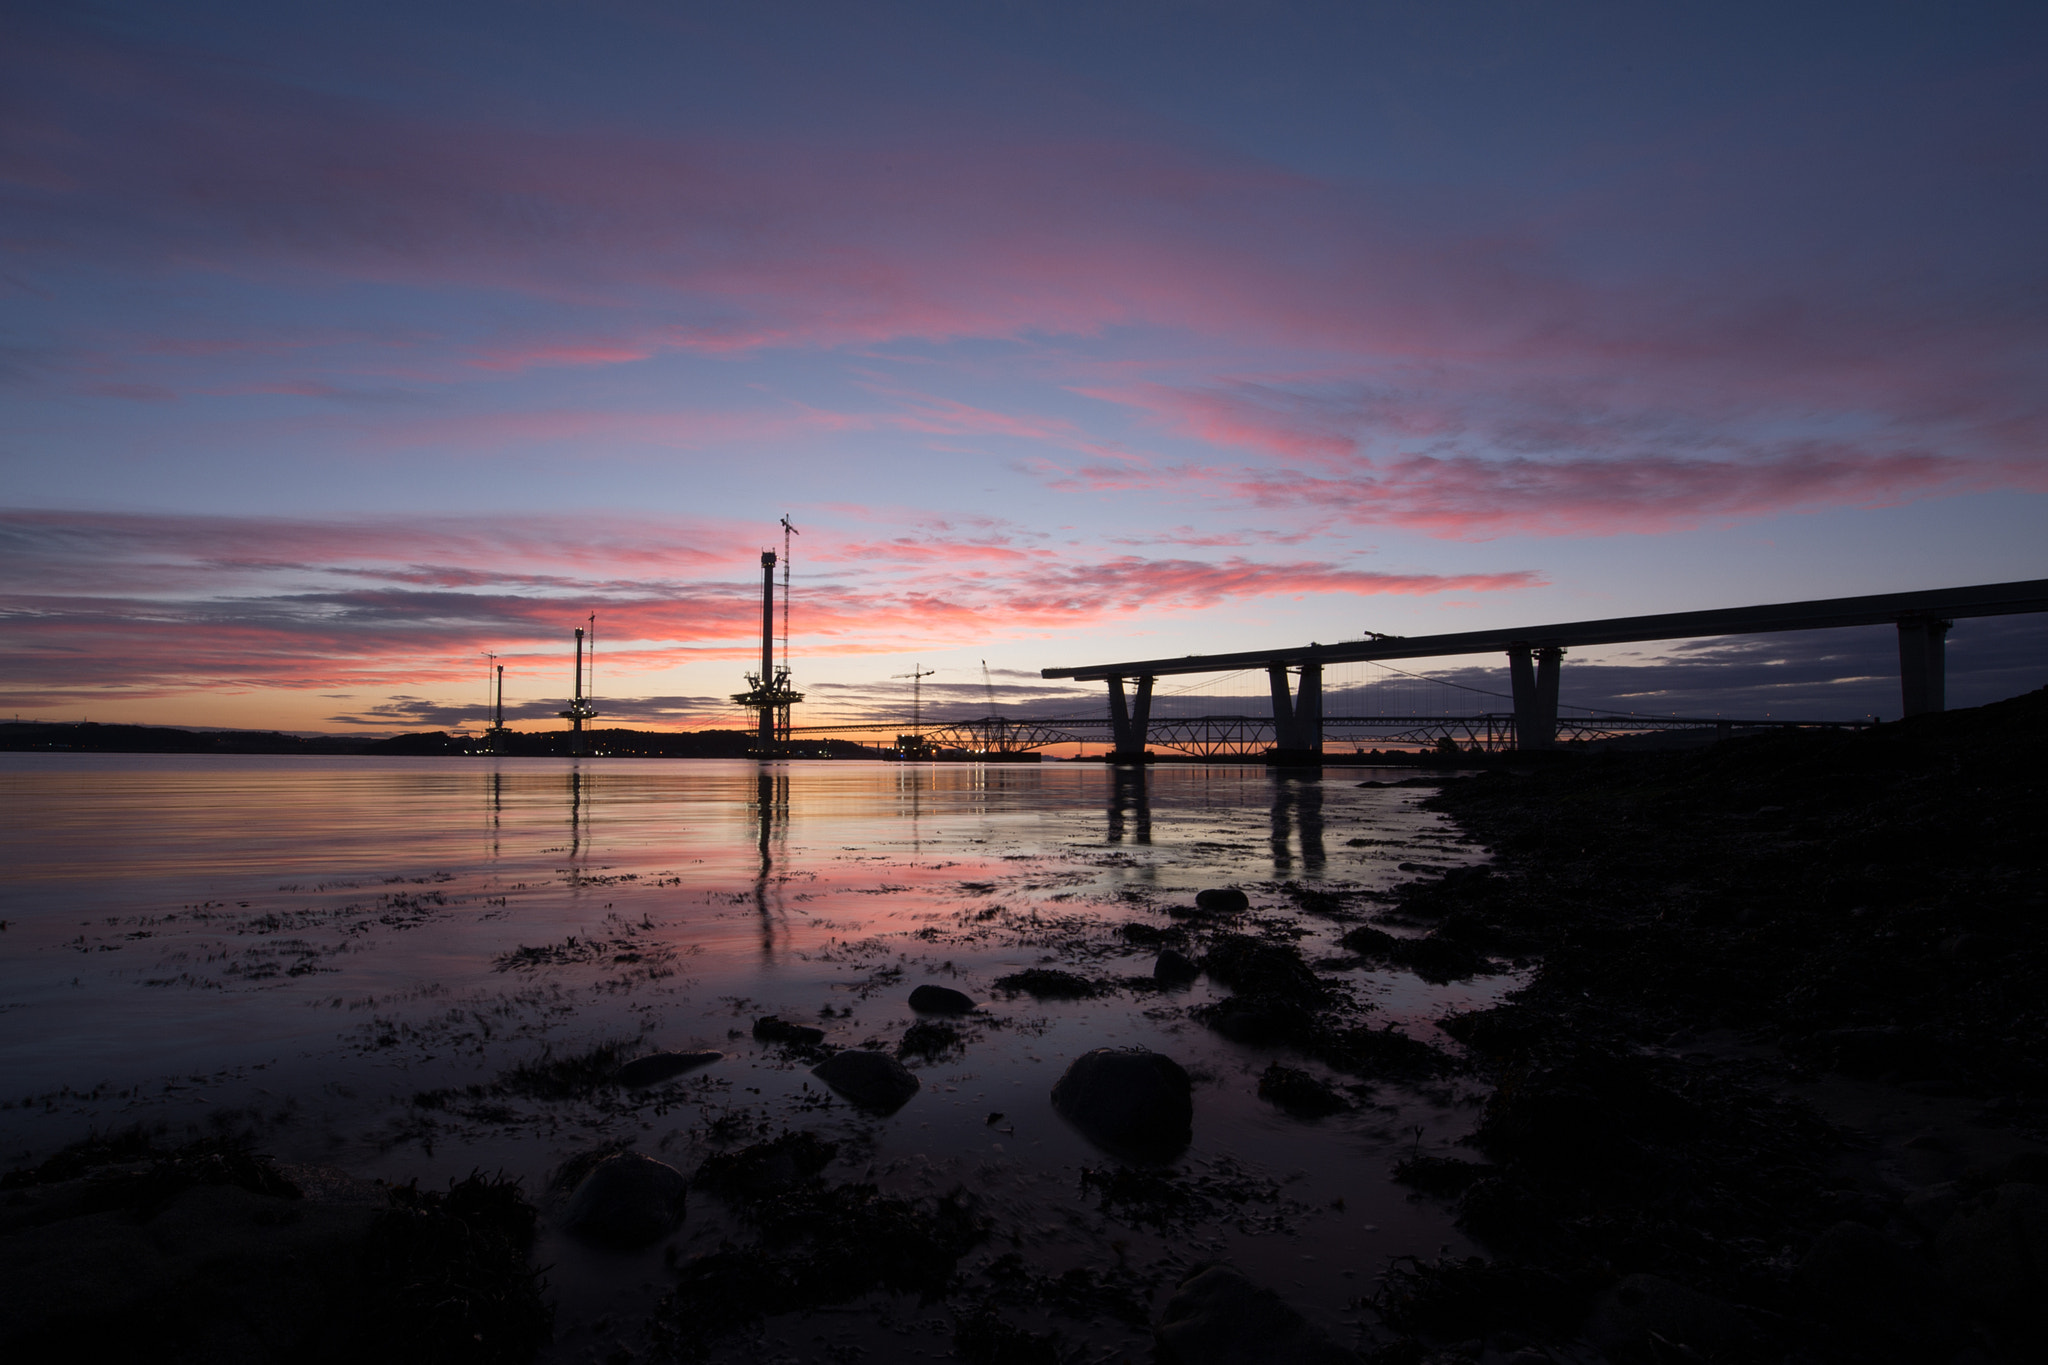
[(1246, 737), (1536, 654)]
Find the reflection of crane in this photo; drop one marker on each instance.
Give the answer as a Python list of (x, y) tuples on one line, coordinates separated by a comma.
[(917, 675)]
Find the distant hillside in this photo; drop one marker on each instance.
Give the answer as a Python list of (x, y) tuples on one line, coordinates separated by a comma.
[(90, 737), (615, 743)]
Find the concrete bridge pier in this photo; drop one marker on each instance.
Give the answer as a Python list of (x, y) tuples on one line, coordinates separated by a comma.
[(1129, 720), (1297, 714), (1923, 675), (1535, 690)]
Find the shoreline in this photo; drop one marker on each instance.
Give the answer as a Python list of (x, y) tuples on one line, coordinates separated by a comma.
[(1775, 1090), (1779, 1089)]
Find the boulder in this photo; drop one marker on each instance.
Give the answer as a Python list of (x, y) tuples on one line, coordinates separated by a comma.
[(1252, 966), (1299, 1093), (1875, 1289), (1219, 1317), (1931, 1206), (869, 1080), (1129, 1102), (659, 1066), (1627, 1320), (1174, 968), (1226, 900), (939, 1000), (1994, 1253), (627, 1200), (1258, 1019), (773, 1029)]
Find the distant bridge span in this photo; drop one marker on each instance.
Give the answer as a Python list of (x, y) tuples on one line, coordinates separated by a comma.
[(1536, 653), (1252, 736)]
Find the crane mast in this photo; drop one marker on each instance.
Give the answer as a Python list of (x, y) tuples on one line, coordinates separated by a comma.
[(768, 692)]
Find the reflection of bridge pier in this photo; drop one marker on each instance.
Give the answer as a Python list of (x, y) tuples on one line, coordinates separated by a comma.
[(1127, 792), (1297, 807), (771, 829)]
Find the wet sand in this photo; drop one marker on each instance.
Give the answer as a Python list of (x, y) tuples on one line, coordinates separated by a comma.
[(413, 971)]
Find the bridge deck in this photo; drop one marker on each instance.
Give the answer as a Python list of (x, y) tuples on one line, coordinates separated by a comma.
[(1990, 599)]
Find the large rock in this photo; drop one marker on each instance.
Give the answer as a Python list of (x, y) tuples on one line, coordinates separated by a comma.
[(775, 1029), (627, 1200), (873, 1081), (1227, 900), (1130, 1102), (1221, 1318), (1876, 1290), (1994, 1254), (940, 1000), (660, 1066), (1174, 968), (1629, 1318)]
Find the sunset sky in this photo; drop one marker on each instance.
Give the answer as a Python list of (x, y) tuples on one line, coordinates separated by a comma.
[(340, 343)]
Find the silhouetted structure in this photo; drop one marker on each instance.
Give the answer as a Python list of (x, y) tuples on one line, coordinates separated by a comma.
[(1536, 653), (769, 693), (580, 709)]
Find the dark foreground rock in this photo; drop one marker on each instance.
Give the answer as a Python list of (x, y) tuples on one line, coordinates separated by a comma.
[(1174, 968), (940, 1000), (656, 1067), (627, 1200), (209, 1254), (1755, 960), (1299, 1093), (813, 1244), (1225, 900), (1219, 1317), (1131, 1103), (1646, 1314), (774, 1029), (874, 1081)]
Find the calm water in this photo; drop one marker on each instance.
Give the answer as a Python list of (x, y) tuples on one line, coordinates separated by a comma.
[(303, 946)]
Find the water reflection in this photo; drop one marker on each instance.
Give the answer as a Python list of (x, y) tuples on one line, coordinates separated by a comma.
[(497, 808), (771, 841), (1127, 792), (1297, 807), (576, 814)]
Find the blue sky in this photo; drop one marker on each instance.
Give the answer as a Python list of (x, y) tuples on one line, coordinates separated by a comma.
[(342, 343)]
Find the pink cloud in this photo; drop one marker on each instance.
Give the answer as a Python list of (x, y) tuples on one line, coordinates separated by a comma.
[(210, 603), (1345, 353), (1524, 458)]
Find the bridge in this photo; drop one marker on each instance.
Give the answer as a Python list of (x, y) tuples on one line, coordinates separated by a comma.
[(1535, 657), (1245, 737)]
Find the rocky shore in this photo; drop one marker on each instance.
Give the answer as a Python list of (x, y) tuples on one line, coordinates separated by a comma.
[(1779, 1089), (1775, 1090)]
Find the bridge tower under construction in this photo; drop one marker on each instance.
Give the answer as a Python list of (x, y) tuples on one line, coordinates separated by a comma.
[(768, 692), (580, 710)]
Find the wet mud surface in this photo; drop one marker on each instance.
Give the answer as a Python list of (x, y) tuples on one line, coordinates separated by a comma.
[(677, 994), (1728, 1056)]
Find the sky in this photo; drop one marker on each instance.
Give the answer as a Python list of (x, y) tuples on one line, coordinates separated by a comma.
[(344, 344)]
